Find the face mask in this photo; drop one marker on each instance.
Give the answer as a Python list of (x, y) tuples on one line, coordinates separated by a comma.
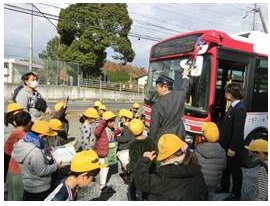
[(34, 84)]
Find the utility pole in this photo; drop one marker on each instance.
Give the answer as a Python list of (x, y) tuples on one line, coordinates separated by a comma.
[(262, 20), (258, 10), (31, 43)]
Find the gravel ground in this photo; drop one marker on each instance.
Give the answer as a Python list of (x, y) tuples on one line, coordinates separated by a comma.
[(92, 192)]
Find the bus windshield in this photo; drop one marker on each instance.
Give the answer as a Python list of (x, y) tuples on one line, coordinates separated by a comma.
[(197, 96)]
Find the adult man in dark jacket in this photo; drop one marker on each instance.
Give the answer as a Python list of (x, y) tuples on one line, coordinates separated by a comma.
[(167, 112), (232, 140)]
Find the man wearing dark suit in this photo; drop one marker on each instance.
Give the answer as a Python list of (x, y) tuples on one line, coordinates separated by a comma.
[(167, 112), (232, 140)]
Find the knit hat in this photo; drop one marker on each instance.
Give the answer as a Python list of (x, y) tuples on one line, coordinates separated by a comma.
[(91, 113), (258, 145), (168, 144), (85, 161), (136, 127), (210, 131), (12, 107), (42, 127), (56, 124)]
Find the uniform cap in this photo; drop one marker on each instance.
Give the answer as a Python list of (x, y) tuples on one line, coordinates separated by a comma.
[(210, 131), (97, 103), (91, 113), (103, 107), (108, 115), (258, 145), (136, 105), (126, 113), (58, 105), (56, 124), (168, 144), (136, 127), (85, 161), (42, 127), (12, 107), (165, 80)]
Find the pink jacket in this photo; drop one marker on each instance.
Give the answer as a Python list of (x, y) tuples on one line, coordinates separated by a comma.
[(102, 143)]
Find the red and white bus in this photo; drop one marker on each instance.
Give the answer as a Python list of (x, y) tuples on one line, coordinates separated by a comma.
[(217, 58)]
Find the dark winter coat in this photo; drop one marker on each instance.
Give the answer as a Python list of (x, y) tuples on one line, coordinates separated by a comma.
[(212, 158), (171, 182), (124, 139)]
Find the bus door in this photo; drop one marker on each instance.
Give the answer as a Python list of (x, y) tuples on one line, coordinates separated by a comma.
[(231, 67)]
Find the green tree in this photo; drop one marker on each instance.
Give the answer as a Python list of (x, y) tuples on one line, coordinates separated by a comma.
[(51, 51), (86, 30)]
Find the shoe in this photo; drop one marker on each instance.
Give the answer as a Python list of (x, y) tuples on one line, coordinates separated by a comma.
[(232, 197), (222, 190), (107, 189)]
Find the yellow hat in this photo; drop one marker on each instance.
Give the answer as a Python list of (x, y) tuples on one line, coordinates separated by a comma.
[(108, 115), (126, 113), (136, 126), (85, 161), (210, 131), (58, 105), (97, 103), (103, 107), (91, 113), (258, 145), (42, 127), (168, 144), (12, 107), (120, 113), (135, 105), (56, 124)]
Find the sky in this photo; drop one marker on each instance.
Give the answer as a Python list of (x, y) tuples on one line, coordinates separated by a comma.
[(151, 22)]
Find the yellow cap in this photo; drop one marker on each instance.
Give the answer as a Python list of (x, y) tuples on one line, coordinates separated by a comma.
[(126, 113), (12, 107), (135, 105), (120, 113), (108, 115), (136, 127), (91, 113), (103, 107), (58, 105), (258, 145), (210, 131), (97, 103), (56, 124), (168, 144), (42, 127), (85, 161)]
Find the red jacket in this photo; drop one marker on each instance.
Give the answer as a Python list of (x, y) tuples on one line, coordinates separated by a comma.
[(102, 143)]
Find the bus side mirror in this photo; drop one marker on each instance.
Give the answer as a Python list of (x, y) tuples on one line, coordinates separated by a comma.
[(196, 69)]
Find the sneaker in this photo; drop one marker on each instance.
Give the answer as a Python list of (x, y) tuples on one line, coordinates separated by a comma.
[(232, 197), (107, 189)]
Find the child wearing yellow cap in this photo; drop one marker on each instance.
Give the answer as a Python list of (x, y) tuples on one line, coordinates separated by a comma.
[(211, 156), (259, 148), (178, 177), (84, 168), (141, 144)]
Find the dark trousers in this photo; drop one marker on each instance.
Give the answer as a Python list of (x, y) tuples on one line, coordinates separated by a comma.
[(6, 163), (28, 196), (233, 169)]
